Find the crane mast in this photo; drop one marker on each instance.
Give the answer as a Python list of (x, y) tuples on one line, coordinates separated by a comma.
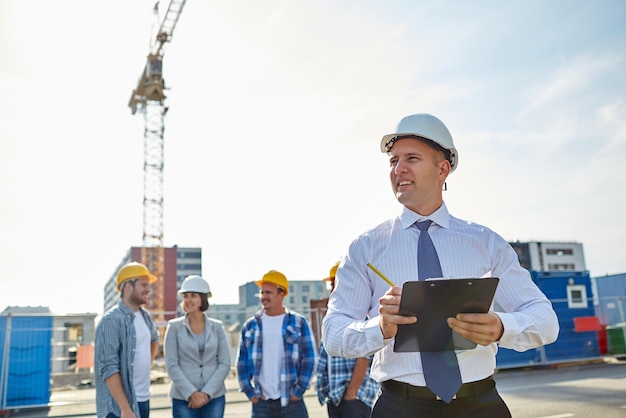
[(149, 99)]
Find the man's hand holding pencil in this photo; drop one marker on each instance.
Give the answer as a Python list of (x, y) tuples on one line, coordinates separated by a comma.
[(390, 307)]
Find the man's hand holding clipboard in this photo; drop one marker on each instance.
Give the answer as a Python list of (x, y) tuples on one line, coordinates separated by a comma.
[(438, 305)]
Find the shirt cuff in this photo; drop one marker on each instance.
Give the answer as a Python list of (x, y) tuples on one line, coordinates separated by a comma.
[(374, 336), (510, 328)]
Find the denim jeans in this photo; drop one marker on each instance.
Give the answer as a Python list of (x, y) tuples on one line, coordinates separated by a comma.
[(214, 409), (144, 410), (272, 409)]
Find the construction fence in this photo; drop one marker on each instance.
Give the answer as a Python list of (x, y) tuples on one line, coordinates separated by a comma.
[(48, 359)]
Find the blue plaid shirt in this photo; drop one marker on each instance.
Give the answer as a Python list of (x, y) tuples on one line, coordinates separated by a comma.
[(333, 381), (298, 365), (114, 353)]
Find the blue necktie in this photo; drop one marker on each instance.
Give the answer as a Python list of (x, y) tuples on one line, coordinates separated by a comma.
[(441, 368)]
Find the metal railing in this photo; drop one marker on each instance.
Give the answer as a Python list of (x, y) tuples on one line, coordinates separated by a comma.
[(42, 356)]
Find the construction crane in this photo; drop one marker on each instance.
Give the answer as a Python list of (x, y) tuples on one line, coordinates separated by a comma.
[(149, 98)]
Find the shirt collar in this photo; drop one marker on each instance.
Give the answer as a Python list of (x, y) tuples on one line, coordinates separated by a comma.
[(441, 217), (124, 308)]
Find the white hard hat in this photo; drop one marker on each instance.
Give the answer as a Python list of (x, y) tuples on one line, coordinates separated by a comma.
[(195, 284), (424, 126)]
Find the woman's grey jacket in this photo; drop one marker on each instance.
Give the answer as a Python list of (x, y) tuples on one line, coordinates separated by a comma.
[(189, 372)]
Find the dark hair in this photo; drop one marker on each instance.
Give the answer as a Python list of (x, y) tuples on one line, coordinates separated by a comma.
[(204, 304), (123, 285), (204, 301)]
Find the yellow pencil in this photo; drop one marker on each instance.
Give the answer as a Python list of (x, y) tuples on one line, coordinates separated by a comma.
[(382, 276)]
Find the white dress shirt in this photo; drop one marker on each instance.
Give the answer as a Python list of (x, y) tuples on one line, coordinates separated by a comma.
[(465, 249)]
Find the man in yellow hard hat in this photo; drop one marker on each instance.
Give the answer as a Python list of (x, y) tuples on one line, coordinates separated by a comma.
[(127, 342), (344, 384), (277, 355)]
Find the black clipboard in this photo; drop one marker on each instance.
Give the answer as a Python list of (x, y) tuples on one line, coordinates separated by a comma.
[(433, 301)]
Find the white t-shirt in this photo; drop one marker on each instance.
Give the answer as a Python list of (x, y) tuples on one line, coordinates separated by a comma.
[(273, 352), (141, 367)]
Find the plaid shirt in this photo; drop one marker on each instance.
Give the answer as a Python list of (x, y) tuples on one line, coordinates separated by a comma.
[(333, 380), (114, 353), (298, 363)]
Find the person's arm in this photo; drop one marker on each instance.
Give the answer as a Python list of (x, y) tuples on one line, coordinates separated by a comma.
[(245, 364), (172, 360), (357, 295), (528, 319), (155, 338), (358, 374), (307, 360), (216, 381), (154, 350), (321, 382), (114, 383), (107, 347)]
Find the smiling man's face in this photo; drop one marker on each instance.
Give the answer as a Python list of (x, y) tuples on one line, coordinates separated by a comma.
[(417, 173)]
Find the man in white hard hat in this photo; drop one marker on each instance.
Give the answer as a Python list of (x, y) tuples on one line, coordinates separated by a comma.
[(126, 344), (423, 242)]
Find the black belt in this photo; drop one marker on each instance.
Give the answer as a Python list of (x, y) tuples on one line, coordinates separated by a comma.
[(467, 390)]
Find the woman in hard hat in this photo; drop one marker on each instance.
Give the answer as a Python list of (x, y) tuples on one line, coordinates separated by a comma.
[(197, 356)]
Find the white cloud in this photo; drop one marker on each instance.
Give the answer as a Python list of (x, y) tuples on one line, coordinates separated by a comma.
[(271, 140)]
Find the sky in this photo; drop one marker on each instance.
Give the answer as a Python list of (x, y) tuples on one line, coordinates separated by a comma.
[(276, 111)]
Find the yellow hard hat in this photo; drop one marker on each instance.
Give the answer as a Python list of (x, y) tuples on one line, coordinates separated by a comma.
[(333, 272), (275, 277), (134, 270)]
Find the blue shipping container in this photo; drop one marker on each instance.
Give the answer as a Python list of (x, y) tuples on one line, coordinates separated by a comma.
[(25, 368), (570, 345), (610, 298)]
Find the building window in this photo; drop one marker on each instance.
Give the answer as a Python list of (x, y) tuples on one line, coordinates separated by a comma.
[(305, 299), (562, 266), (182, 266), (559, 251), (292, 300), (576, 296), (74, 332), (305, 288)]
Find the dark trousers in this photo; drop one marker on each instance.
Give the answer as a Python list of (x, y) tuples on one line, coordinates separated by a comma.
[(272, 409), (352, 408), (487, 405)]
